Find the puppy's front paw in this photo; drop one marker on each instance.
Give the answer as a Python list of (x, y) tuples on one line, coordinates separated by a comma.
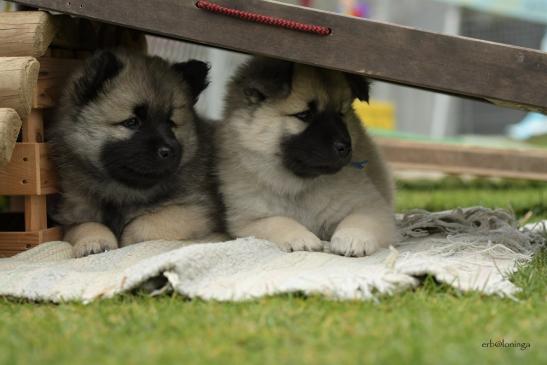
[(92, 246), (299, 241), (355, 242)]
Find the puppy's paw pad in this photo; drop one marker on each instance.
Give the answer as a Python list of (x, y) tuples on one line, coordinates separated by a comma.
[(90, 247), (354, 242), (304, 241)]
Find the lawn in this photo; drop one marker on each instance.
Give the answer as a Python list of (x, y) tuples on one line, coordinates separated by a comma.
[(433, 324)]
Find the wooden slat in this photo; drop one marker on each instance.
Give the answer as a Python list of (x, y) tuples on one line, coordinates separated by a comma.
[(18, 241), (10, 124), (18, 77), (19, 177), (25, 174), (51, 234), (458, 159), (48, 171), (12, 243), (35, 213), (51, 80), (25, 33), (33, 127), (449, 64)]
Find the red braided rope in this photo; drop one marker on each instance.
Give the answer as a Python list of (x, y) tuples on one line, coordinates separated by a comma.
[(264, 19)]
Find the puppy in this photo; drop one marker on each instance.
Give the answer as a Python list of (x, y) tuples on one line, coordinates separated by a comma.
[(133, 156), (295, 165)]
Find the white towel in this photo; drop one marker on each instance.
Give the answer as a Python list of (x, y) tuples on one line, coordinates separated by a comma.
[(472, 249)]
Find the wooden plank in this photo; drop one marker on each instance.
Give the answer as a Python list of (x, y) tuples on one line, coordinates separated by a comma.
[(19, 176), (33, 131), (48, 171), (25, 33), (35, 213), (33, 127), (12, 243), (505, 74), (25, 173), (458, 159), (18, 241), (51, 80), (18, 77), (51, 234), (10, 124)]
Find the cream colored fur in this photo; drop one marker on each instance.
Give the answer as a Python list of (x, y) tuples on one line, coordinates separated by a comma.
[(173, 222), (88, 238), (352, 208)]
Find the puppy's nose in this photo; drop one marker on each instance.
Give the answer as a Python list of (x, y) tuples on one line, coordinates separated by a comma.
[(343, 149), (165, 152)]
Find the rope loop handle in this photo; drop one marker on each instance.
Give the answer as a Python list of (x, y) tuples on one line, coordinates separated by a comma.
[(263, 19)]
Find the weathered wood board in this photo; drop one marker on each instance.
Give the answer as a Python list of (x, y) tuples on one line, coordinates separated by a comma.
[(12, 243), (25, 33), (502, 74), (460, 159)]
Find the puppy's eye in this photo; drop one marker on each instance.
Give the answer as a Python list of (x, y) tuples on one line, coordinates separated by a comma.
[(131, 123), (305, 115)]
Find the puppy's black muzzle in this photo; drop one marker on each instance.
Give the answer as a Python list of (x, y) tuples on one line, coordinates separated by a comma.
[(151, 155), (324, 147)]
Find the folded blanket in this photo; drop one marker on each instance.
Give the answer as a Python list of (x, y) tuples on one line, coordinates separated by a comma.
[(471, 249)]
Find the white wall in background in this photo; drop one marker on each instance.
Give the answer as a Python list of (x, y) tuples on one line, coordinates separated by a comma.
[(223, 64)]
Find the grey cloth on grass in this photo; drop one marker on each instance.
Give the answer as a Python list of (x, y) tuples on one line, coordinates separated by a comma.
[(470, 249)]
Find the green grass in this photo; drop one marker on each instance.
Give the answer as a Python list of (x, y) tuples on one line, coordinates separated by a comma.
[(519, 196), (433, 324)]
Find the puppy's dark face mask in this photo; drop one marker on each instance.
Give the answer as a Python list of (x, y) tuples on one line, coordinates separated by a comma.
[(151, 154), (323, 144), (324, 147), (142, 125)]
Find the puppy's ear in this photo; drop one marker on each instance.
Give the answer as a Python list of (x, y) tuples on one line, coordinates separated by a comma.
[(194, 73), (101, 67), (360, 86), (265, 79)]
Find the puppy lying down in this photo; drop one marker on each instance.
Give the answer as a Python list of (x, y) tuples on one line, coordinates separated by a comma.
[(295, 165)]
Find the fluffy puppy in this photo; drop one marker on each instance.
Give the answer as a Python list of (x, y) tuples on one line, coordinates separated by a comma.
[(295, 165), (133, 156)]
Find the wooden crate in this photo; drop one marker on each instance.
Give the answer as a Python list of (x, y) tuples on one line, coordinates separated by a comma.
[(28, 179), (27, 175), (38, 51)]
